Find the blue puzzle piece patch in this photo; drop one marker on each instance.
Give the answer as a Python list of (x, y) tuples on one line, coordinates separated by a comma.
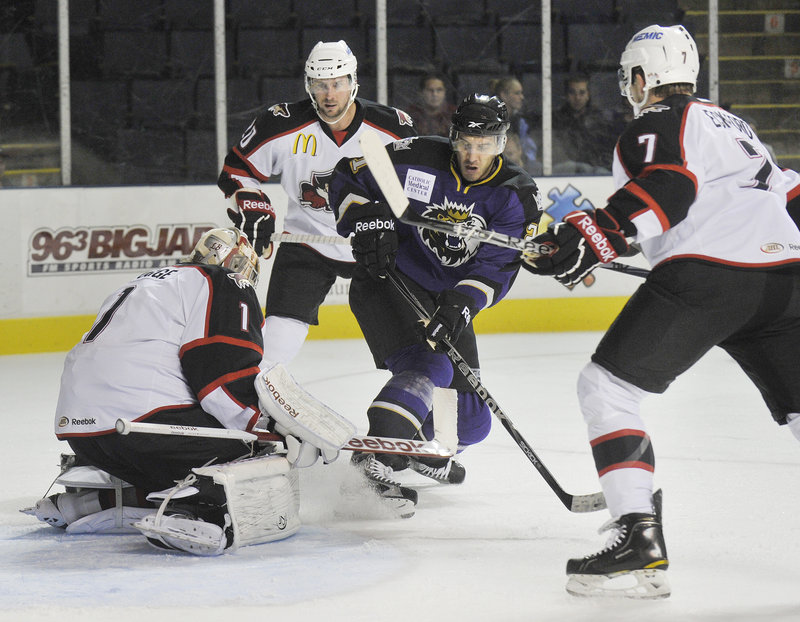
[(566, 202)]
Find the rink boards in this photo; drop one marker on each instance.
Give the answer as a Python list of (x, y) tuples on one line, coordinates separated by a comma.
[(70, 247)]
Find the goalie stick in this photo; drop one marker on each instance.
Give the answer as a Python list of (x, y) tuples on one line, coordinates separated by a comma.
[(574, 503), (382, 169), (367, 444)]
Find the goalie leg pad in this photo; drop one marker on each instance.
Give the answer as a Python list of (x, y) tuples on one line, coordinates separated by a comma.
[(262, 498), (297, 413), (259, 503)]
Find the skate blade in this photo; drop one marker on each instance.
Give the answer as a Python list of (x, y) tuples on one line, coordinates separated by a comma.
[(639, 584)]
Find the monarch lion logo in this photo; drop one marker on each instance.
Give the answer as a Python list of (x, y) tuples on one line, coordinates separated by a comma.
[(450, 249)]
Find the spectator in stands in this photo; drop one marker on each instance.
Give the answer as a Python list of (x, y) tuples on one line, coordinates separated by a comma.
[(521, 147), (432, 115), (583, 136)]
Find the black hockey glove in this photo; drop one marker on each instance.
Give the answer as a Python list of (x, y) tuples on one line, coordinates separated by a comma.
[(454, 310), (374, 238), (255, 217), (583, 240)]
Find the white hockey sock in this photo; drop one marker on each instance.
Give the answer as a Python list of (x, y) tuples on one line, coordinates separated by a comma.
[(611, 405), (283, 338), (794, 424)]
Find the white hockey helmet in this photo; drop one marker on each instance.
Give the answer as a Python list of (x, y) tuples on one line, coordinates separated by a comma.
[(227, 247), (331, 59), (666, 54)]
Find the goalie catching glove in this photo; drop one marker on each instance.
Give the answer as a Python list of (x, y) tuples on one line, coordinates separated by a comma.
[(255, 216), (580, 242), (374, 238)]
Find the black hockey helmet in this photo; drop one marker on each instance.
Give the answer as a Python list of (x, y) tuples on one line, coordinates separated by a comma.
[(480, 115)]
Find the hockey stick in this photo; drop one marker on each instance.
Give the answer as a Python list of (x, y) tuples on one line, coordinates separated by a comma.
[(367, 444), (382, 169), (574, 503), (303, 238)]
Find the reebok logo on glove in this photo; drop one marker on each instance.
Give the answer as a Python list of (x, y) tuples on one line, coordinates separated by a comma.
[(249, 204), (588, 228), (374, 225)]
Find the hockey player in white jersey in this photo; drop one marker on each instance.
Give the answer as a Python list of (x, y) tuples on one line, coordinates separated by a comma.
[(698, 192), (301, 142), (182, 346)]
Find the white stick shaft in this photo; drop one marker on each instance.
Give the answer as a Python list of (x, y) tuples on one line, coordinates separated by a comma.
[(372, 444), (302, 238), (126, 427)]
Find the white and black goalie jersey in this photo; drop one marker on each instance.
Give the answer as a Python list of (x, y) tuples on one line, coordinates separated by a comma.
[(696, 183), (165, 341), (290, 140)]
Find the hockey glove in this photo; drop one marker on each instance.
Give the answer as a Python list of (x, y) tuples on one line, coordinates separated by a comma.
[(454, 310), (374, 238), (255, 217), (583, 240)]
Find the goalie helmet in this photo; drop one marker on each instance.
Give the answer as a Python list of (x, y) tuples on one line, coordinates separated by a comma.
[(331, 59), (666, 55), (480, 115), (230, 248)]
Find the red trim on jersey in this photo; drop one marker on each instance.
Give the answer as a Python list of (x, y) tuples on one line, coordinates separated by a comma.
[(171, 407), (242, 405), (225, 379), (670, 167), (241, 343), (381, 129), (634, 464), (209, 304), (618, 434), (683, 129), (793, 193), (650, 203), (231, 171), (733, 264), (618, 153)]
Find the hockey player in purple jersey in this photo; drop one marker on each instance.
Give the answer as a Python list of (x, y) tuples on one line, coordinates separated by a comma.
[(301, 142), (700, 195), (463, 179)]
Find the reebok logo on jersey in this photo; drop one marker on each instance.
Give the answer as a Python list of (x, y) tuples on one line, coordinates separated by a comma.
[(87, 421), (374, 225), (592, 233)]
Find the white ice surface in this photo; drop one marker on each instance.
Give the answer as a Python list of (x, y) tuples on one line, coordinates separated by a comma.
[(492, 549)]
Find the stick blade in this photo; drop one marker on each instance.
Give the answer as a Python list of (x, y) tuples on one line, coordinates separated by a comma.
[(588, 503), (382, 169)]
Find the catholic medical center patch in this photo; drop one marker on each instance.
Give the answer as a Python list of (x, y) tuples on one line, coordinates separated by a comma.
[(419, 185)]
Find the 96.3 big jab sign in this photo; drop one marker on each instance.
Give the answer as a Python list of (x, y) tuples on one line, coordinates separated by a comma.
[(124, 248)]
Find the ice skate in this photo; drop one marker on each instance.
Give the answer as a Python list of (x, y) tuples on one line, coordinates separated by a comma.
[(400, 499), (444, 470), (633, 564)]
